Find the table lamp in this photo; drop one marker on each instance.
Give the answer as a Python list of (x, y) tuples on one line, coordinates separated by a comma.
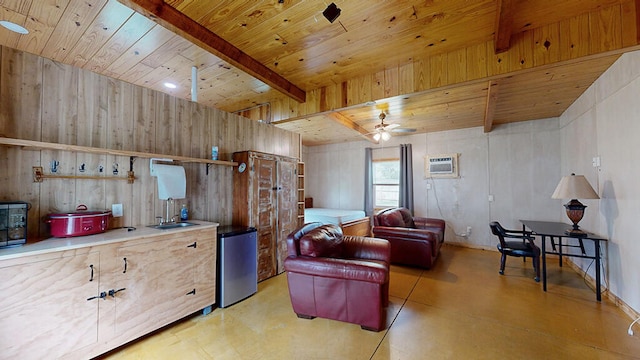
[(574, 187)]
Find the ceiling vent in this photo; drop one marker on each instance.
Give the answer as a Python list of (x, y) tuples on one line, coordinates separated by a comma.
[(331, 13)]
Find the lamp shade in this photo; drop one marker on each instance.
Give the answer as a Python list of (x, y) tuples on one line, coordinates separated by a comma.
[(574, 187), (385, 135)]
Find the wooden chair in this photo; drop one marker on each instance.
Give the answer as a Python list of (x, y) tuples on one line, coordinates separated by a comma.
[(523, 247)]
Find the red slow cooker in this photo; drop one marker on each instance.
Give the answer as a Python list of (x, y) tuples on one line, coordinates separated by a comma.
[(79, 223)]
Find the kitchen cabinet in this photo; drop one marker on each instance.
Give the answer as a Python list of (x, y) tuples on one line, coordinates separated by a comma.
[(44, 301), (161, 283), (78, 298), (265, 197)]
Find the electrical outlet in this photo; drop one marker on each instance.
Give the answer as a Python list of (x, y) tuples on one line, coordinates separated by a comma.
[(116, 210), (468, 230)]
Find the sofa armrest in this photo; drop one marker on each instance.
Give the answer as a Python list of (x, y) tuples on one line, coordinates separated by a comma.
[(431, 224), (366, 248), (347, 269), (407, 233)]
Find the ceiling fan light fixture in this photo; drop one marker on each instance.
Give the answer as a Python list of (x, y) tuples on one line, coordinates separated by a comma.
[(385, 135), (376, 136)]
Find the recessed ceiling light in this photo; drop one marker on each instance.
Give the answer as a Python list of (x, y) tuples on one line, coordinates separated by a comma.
[(170, 85), (14, 27)]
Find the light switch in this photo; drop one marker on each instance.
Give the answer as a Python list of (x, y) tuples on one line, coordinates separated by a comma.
[(596, 161)]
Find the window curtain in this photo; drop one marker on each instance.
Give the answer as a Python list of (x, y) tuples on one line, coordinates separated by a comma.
[(406, 177), (368, 182)]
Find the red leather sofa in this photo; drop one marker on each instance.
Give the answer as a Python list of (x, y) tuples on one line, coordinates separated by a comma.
[(415, 241), (338, 277)]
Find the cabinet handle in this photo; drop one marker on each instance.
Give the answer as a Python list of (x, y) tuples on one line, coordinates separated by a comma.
[(103, 296), (91, 267), (125, 265), (113, 292), (194, 245), (192, 292)]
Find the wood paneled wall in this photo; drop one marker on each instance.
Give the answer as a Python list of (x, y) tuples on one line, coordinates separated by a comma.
[(43, 100), (610, 28)]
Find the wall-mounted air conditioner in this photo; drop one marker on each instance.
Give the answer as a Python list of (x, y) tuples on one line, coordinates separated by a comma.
[(442, 166)]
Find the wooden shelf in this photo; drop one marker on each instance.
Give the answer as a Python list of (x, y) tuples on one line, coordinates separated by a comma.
[(92, 150)]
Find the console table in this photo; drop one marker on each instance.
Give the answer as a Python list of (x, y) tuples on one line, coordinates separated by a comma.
[(559, 230)]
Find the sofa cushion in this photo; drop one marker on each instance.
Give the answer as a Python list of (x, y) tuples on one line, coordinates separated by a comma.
[(323, 241), (396, 217), (407, 218), (391, 218)]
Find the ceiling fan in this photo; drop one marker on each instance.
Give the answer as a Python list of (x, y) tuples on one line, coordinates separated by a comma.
[(383, 130)]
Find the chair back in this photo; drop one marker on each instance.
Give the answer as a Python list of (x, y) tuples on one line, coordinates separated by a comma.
[(394, 217), (293, 240), (498, 231), (316, 240)]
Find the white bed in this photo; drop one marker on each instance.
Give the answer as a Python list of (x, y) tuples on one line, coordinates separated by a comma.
[(352, 222), (332, 216)]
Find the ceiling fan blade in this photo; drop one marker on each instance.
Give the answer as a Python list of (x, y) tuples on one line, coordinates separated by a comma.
[(391, 126), (403, 130)]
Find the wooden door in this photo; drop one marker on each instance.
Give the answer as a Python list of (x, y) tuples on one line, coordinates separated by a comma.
[(287, 207), (46, 310), (265, 183)]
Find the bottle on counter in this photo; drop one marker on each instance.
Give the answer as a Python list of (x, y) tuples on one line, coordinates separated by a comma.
[(184, 213)]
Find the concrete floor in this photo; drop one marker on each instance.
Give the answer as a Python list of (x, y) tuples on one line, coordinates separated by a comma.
[(460, 309)]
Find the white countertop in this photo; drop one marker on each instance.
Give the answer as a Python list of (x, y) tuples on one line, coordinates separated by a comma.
[(110, 236)]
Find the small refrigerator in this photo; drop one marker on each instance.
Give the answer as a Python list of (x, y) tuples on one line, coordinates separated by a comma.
[(237, 264)]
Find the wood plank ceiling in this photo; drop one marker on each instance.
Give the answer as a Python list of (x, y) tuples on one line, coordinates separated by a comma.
[(429, 65)]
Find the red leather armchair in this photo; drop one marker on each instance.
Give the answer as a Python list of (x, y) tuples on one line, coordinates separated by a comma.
[(414, 241), (338, 277)]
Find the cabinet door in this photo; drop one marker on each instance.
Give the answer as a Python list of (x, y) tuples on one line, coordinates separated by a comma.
[(204, 262), (265, 189), (158, 279), (287, 207), (44, 311)]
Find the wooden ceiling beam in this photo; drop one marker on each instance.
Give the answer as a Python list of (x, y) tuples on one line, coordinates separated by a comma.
[(191, 30), (504, 25), (345, 121), (490, 108)]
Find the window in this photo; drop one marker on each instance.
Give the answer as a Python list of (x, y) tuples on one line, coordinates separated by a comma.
[(386, 180)]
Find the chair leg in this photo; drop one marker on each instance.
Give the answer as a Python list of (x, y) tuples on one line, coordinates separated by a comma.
[(369, 328), (503, 260), (536, 267), (308, 317)]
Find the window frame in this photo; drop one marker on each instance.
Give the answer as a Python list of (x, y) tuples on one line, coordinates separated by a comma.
[(377, 207)]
